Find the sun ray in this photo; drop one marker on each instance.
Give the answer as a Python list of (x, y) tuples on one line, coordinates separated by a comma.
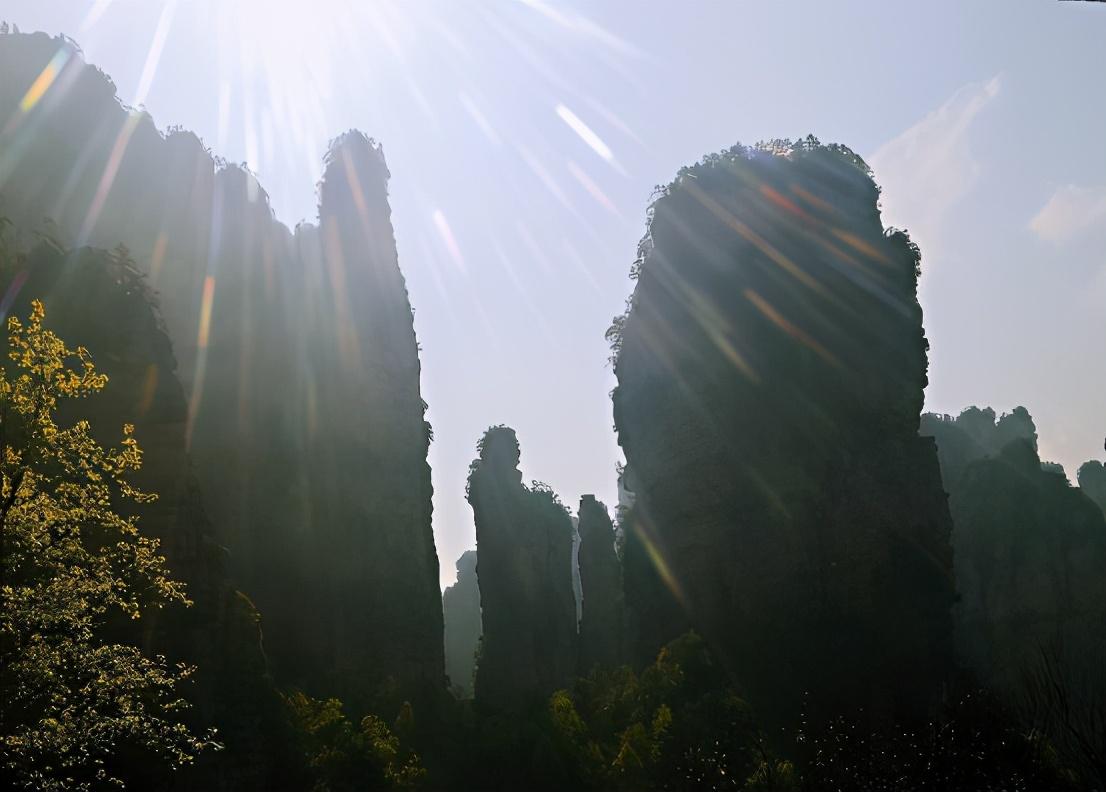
[(107, 178), (449, 240), (153, 56)]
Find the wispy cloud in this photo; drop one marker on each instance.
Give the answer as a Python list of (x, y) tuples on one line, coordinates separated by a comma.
[(930, 166), (1069, 212)]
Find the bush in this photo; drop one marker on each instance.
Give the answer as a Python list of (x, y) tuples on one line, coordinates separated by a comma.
[(340, 757)]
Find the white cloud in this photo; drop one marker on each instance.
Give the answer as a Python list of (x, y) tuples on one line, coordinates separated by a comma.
[(929, 167), (1070, 211)]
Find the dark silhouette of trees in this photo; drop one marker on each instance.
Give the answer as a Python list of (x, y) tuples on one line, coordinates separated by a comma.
[(679, 724), (1062, 696), (770, 372), (461, 610), (974, 743), (524, 554)]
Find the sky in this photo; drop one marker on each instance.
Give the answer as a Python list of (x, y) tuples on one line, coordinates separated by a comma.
[(525, 139)]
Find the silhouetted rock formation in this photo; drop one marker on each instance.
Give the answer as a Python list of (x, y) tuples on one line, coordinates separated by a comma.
[(577, 586), (1092, 480), (770, 374), (524, 550), (461, 610), (601, 584), (365, 442), (1029, 548), (975, 434), (297, 356), (98, 300)]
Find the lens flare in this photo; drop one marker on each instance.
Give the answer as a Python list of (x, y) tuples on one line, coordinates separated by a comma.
[(594, 142), (44, 80)]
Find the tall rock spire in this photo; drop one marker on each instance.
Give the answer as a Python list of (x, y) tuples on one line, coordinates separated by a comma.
[(461, 610), (770, 376), (524, 554), (372, 439), (601, 581)]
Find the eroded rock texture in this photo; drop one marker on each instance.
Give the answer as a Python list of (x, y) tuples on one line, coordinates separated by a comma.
[(98, 300), (524, 567), (601, 584), (297, 357), (770, 375), (1029, 548), (461, 610)]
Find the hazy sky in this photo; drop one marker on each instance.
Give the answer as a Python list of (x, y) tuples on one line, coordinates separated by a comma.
[(525, 139)]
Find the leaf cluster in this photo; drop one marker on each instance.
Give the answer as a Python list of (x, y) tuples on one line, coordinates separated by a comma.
[(341, 756), (73, 565), (676, 725)]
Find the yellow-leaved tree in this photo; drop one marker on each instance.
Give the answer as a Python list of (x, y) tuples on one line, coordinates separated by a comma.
[(77, 705)]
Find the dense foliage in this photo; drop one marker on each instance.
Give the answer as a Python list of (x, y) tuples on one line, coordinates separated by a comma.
[(80, 709), (342, 757), (973, 745), (677, 725)]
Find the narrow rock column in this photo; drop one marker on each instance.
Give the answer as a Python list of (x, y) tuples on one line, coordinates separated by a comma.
[(601, 581), (524, 555)]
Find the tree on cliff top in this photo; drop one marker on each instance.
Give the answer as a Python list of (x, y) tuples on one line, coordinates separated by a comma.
[(75, 702)]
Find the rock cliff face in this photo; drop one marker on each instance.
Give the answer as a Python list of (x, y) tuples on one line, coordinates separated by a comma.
[(1092, 480), (1029, 548), (770, 375), (99, 300), (355, 446), (577, 586), (524, 566), (297, 357), (461, 609), (601, 583)]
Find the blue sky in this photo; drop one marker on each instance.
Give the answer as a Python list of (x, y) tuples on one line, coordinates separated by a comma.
[(525, 138)]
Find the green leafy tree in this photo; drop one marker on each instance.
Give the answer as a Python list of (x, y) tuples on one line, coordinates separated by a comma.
[(344, 758), (78, 707), (678, 725)]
